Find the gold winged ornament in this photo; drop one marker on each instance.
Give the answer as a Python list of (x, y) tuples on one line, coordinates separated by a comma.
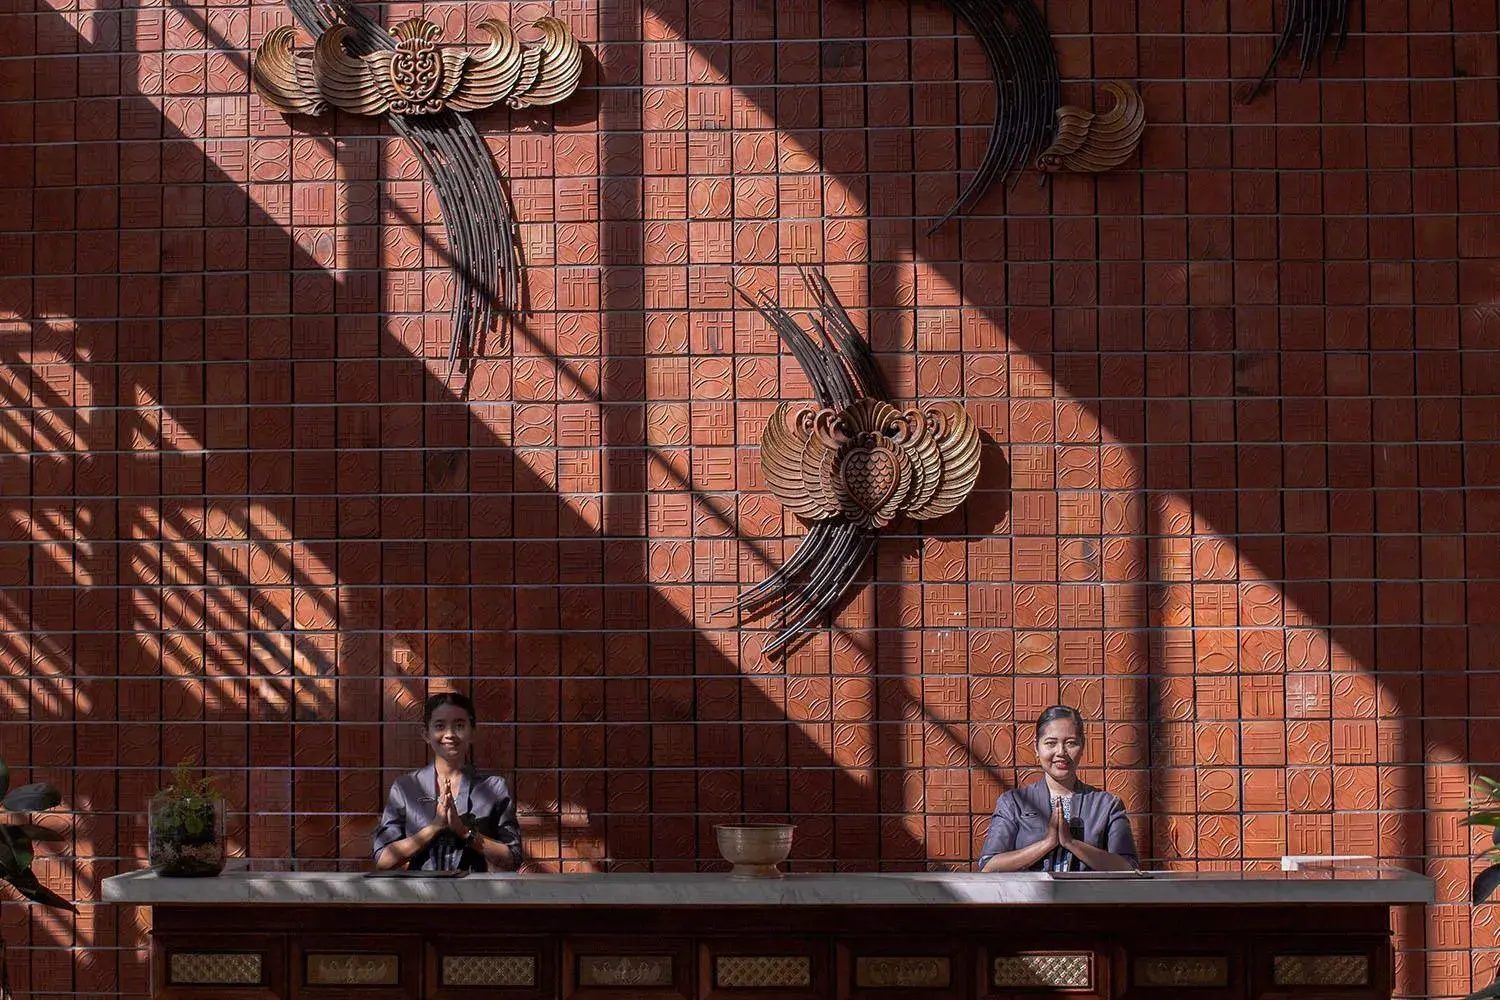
[(849, 464), (423, 90), (417, 77), (1088, 142), (870, 462)]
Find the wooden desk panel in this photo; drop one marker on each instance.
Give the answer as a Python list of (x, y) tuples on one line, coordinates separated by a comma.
[(758, 967), (493, 966), (213, 966), (356, 966), (328, 952)]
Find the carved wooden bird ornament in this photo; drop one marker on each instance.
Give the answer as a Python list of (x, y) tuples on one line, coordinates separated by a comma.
[(417, 77), (1092, 142), (869, 462), (849, 463)]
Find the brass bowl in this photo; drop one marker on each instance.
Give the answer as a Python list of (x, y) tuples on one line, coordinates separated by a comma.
[(754, 849)]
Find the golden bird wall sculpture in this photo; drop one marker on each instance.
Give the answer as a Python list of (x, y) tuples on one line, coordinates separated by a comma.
[(869, 462), (848, 464), (423, 89), (418, 77)]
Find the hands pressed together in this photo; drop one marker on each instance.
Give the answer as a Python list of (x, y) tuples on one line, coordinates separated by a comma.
[(447, 812), (1059, 833), (447, 818)]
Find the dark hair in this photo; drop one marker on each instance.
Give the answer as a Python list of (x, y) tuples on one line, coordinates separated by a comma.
[(437, 701), (1056, 714)]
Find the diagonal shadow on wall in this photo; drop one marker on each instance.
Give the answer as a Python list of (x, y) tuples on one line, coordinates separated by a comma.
[(1222, 516), (270, 527)]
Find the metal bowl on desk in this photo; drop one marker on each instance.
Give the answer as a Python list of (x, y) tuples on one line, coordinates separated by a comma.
[(754, 849)]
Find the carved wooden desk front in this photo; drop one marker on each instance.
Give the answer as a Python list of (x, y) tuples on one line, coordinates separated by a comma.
[(1294, 936)]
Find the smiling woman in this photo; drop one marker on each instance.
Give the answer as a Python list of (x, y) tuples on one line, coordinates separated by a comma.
[(448, 815), (1059, 823)]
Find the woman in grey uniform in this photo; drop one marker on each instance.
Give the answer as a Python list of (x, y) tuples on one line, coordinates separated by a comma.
[(1058, 823), (448, 815)]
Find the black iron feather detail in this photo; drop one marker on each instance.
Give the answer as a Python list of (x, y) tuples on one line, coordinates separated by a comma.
[(1028, 89), (840, 369), (1309, 27), (848, 466), (477, 214)]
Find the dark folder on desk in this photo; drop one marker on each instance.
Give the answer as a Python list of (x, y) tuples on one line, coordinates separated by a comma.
[(1099, 876), (405, 873)]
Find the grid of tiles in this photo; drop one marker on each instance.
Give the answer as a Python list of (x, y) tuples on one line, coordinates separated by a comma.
[(1240, 491)]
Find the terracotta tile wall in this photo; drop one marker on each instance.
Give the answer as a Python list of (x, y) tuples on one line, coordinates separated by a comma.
[(1239, 502)]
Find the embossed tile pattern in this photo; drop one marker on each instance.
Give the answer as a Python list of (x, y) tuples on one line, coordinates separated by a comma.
[(1182, 971), (1047, 971), (913, 972), (1320, 970), (353, 970), (625, 971), (204, 968), (513, 971), (762, 971)]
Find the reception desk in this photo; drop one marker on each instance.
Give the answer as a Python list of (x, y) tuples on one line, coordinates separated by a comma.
[(1295, 935)]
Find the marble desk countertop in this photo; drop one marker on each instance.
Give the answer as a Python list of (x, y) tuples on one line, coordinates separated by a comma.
[(1336, 885)]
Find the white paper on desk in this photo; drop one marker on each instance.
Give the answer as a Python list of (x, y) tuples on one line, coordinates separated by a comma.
[(1101, 876)]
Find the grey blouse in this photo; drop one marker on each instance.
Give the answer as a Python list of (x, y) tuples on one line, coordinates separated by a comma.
[(1022, 814), (484, 800)]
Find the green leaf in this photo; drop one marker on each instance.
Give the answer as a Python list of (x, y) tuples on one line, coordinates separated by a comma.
[(24, 881), (1489, 992), (1482, 819), (28, 886), (32, 798), (19, 844), (4, 777), (43, 833), (1486, 882), (47, 897)]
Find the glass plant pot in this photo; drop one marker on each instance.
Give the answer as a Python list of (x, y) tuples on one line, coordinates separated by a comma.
[(187, 835)]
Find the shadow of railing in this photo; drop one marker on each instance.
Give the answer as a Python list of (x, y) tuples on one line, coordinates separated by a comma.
[(1237, 632), (279, 565)]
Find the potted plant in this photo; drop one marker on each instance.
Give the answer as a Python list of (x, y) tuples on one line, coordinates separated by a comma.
[(16, 840), (1486, 812), (187, 827)]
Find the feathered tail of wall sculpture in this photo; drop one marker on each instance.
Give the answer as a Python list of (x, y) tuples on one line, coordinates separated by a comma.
[(1087, 142), (1308, 27), (849, 464), (1028, 89), (1032, 126), (357, 66)]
